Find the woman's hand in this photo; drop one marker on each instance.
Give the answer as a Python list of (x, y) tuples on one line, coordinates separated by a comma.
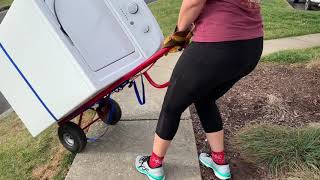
[(178, 40), (189, 12)]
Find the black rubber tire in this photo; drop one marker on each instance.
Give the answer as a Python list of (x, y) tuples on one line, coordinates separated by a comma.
[(116, 117), (105, 115), (74, 132), (296, 1)]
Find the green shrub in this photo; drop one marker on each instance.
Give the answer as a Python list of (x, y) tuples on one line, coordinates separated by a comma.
[(281, 149)]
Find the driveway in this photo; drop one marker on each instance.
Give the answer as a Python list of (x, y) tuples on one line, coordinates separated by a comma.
[(4, 106), (300, 5)]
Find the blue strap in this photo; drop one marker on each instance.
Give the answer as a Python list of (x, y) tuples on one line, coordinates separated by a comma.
[(27, 82), (95, 139), (143, 100), (92, 139)]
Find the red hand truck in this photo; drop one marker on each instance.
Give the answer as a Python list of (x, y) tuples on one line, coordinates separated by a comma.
[(72, 135)]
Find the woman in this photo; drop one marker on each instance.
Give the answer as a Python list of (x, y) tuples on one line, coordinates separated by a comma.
[(227, 45)]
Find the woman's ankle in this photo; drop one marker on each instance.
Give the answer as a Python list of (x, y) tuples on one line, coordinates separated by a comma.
[(155, 161), (218, 157)]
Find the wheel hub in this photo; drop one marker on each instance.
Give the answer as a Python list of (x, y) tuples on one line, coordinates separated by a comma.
[(68, 139)]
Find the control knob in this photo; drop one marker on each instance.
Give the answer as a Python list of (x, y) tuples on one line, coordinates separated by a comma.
[(133, 8)]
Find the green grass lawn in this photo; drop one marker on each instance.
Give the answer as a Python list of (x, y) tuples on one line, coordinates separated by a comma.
[(294, 56), (280, 19), (4, 3), (25, 157)]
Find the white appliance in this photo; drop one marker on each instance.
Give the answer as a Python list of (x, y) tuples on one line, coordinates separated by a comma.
[(55, 54)]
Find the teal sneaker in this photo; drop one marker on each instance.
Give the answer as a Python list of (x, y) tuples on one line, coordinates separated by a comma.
[(143, 167), (221, 171)]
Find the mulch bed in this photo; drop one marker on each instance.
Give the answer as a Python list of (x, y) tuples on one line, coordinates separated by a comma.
[(276, 94)]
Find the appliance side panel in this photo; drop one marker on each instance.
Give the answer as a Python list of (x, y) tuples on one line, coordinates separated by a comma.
[(22, 99), (45, 63)]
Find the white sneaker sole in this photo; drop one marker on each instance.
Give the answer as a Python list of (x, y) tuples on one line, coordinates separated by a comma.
[(149, 177), (214, 171)]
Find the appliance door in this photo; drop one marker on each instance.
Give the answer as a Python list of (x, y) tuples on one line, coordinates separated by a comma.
[(94, 31)]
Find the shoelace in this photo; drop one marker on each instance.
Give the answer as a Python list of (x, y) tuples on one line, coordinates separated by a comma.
[(143, 160)]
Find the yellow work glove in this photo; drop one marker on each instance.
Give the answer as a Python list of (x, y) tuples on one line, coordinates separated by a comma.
[(178, 40)]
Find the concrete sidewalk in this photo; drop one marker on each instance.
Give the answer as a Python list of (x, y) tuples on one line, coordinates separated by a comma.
[(5, 108), (299, 42), (112, 158)]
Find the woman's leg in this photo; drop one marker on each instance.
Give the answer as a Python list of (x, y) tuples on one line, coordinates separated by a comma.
[(210, 117), (248, 53), (177, 99), (216, 141), (212, 122), (204, 70), (184, 82), (160, 146), (189, 82), (186, 85)]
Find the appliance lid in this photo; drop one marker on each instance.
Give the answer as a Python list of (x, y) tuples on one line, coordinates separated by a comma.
[(94, 31)]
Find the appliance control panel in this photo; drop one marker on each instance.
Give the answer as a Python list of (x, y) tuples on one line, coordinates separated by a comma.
[(133, 8), (138, 18)]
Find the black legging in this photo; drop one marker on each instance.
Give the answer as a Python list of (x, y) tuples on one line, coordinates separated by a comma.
[(204, 73)]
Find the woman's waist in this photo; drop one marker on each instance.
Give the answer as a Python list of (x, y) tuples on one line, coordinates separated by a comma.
[(225, 30), (225, 34)]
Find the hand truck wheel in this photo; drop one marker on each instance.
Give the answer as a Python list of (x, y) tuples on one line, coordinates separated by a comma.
[(107, 107), (72, 137)]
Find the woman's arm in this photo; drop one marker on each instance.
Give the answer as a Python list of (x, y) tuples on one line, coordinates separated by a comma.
[(189, 12)]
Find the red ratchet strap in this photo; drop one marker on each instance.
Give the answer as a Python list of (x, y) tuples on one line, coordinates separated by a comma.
[(154, 84)]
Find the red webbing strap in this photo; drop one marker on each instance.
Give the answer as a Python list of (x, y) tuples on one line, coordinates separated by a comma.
[(154, 84)]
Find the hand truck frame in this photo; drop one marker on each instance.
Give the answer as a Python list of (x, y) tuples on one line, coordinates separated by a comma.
[(72, 135)]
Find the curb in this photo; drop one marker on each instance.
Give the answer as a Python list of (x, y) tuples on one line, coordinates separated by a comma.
[(4, 8), (6, 113)]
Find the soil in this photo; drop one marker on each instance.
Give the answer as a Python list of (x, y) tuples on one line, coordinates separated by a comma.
[(49, 170), (277, 94)]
